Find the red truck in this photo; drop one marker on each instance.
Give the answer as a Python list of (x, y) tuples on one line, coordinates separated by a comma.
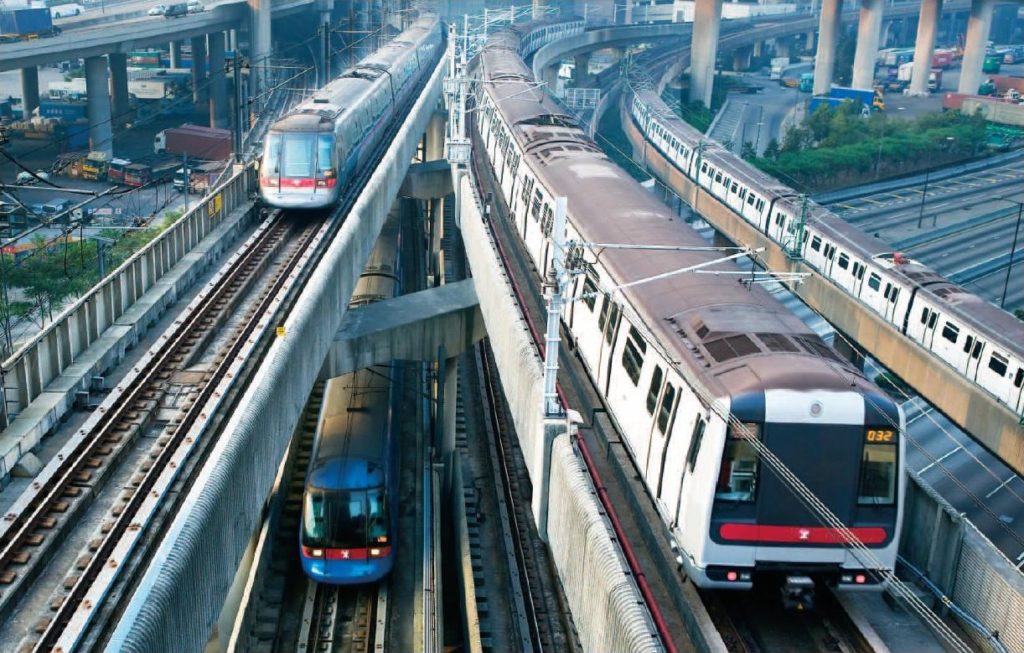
[(194, 141), (942, 59)]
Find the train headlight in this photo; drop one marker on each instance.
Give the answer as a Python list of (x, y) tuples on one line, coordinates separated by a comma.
[(313, 553)]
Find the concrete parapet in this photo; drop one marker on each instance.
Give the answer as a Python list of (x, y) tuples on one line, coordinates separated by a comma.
[(93, 334), (597, 582), (428, 181), (191, 568)]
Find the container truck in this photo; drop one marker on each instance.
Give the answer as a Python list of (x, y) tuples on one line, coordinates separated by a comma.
[(28, 23), (778, 64), (199, 177), (871, 99), (199, 143), (942, 58)]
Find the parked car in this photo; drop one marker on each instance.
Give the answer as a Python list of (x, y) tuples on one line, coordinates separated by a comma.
[(157, 10), (26, 179), (195, 7), (176, 10), (65, 10)]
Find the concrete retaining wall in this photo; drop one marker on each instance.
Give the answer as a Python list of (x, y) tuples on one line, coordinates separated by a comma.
[(190, 567), (93, 334), (602, 595)]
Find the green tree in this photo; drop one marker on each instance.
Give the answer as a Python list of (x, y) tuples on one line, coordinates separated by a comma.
[(747, 151), (1019, 313), (771, 150)]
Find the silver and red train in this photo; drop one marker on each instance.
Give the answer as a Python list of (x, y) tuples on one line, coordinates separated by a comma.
[(313, 152), (693, 367)]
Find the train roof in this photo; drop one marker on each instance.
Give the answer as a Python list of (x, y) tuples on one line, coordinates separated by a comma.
[(998, 326), (351, 446), (736, 338), (326, 105)]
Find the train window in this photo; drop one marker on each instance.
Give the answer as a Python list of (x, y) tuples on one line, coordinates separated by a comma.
[(924, 315), (860, 272), (602, 319), (874, 281), (750, 199), (778, 219), (704, 167), (888, 289), (968, 343), (1018, 380), (830, 252), (743, 193), (760, 205), (535, 208), (844, 261), (977, 349), (737, 477), (718, 177), (666, 408), (951, 332), (816, 243), (998, 364), (734, 186), (613, 319), (695, 442), (589, 293), (652, 392), (632, 359), (878, 474), (325, 156)]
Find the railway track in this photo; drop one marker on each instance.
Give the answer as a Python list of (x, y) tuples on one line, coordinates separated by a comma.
[(757, 623), (344, 619), (536, 589), (167, 402)]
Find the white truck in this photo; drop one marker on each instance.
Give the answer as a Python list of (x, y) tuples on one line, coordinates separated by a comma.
[(778, 67)]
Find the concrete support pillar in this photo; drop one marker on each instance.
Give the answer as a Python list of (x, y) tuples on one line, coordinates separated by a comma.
[(551, 79), (627, 17), (924, 46), (199, 88), (978, 26), (869, 31), (540, 8), (707, 22), (174, 52), (29, 90), (97, 87), (260, 46), (829, 28), (435, 136), (782, 47), (758, 48), (121, 107), (741, 59), (809, 41), (218, 83), (581, 70), (233, 40)]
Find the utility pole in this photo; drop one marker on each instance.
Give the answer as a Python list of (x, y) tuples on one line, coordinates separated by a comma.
[(239, 114), (1013, 250), (794, 249), (920, 214), (554, 288)]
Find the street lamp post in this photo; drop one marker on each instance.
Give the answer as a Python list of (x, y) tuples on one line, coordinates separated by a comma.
[(920, 215), (1013, 250)]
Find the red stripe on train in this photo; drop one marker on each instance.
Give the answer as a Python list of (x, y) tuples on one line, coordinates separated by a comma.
[(304, 182), (347, 554), (798, 534)]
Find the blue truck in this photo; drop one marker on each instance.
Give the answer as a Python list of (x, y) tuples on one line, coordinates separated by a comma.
[(869, 99), (21, 24)]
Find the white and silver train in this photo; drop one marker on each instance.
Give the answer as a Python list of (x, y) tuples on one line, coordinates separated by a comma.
[(312, 153), (663, 353), (982, 342)]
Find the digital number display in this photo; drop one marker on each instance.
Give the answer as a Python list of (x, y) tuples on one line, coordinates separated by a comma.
[(880, 435)]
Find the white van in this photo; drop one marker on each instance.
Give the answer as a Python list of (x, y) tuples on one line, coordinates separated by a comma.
[(66, 10)]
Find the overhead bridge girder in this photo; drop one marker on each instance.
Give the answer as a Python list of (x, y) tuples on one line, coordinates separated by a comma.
[(410, 327), (428, 181)]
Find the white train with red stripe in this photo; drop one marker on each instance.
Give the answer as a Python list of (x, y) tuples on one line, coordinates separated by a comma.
[(673, 357), (313, 152)]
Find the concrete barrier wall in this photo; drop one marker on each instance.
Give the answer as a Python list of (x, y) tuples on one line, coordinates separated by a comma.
[(90, 336), (596, 580), (602, 596), (190, 567), (964, 564)]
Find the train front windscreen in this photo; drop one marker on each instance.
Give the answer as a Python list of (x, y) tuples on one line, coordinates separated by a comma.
[(295, 156), (346, 520)]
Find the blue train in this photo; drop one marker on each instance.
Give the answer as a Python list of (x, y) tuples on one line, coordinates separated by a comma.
[(349, 525)]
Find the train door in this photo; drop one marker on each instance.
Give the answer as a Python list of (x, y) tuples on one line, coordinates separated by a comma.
[(890, 295), (835, 485), (1018, 388), (929, 319), (973, 348)]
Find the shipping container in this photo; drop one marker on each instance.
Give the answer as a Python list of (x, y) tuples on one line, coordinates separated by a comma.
[(201, 143), (67, 111), (16, 24)]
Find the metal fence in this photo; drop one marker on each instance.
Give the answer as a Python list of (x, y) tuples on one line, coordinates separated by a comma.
[(58, 345)]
